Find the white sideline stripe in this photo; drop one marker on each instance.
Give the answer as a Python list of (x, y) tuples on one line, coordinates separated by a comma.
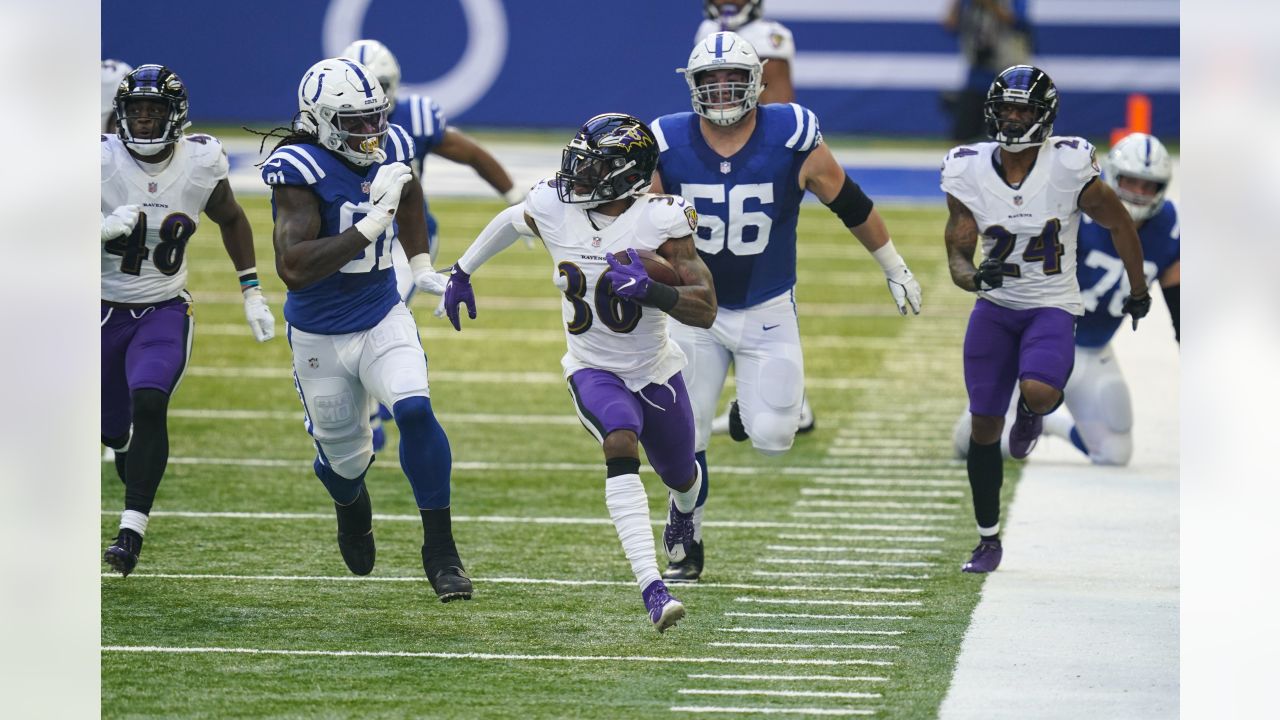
[(494, 580), (873, 482), (881, 504), (861, 538), (841, 548), (889, 591), (476, 656), (869, 515), (737, 524), (814, 616), (305, 464), (807, 646), (853, 603), (478, 418), (804, 678), (782, 693), (871, 575), (846, 563), (768, 710), (810, 631), (837, 492)]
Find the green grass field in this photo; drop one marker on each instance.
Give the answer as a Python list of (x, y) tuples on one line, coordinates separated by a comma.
[(832, 584)]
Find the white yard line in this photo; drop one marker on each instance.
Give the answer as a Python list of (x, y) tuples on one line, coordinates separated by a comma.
[(847, 563), (835, 712), (157, 649), (912, 480), (869, 516), (817, 616), (808, 631), (807, 646), (848, 549), (870, 575), (840, 492), (851, 603), (881, 504), (786, 678), (476, 418), (861, 538), (783, 693)]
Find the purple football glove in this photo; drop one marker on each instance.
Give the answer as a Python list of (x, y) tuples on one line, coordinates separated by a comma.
[(458, 291), (630, 282)]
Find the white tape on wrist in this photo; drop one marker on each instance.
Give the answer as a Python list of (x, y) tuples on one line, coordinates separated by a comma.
[(888, 258)]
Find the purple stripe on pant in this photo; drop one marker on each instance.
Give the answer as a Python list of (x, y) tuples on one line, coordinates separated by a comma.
[(144, 348), (659, 414), (1003, 346)]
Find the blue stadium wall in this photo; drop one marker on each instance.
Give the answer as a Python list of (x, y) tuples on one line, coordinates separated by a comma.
[(865, 66)]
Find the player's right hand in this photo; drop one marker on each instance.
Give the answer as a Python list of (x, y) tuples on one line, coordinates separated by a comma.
[(384, 195), (458, 291), (120, 222), (1137, 307), (990, 275)]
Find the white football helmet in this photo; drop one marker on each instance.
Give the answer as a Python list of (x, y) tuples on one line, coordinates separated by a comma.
[(341, 102), (732, 15), (113, 71), (1140, 156), (375, 56), (724, 103)]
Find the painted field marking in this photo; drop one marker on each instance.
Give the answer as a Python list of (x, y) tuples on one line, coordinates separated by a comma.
[(868, 516), (846, 563), (785, 678), (878, 504), (516, 520), (851, 450), (469, 418), (784, 693), (843, 549), (861, 538), (809, 631), (816, 616), (872, 575), (851, 603), (477, 656), (807, 646), (842, 712), (942, 482), (842, 492)]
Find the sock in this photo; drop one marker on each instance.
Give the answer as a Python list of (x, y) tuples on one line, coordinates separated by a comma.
[(438, 547), (687, 501), (344, 491), (356, 517), (1059, 424), (629, 508), (148, 450), (986, 475), (1078, 441), (424, 451), (135, 521)]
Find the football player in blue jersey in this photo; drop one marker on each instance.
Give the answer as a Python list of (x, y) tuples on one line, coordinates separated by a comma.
[(426, 124), (746, 169), (338, 182), (1098, 414)]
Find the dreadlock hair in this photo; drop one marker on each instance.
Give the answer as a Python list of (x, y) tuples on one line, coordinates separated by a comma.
[(287, 135)]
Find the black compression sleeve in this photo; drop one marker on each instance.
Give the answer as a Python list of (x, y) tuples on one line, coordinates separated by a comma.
[(1171, 299), (851, 205), (664, 297)]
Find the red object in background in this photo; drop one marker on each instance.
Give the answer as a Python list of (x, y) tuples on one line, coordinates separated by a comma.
[(1138, 118)]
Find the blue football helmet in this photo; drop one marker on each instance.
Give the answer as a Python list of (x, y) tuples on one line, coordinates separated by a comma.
[(613, 156)]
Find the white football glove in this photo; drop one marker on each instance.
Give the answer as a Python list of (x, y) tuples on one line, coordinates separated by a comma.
[(425, 277), (904, 288), (384, 195), (120, 222), (261, 321)]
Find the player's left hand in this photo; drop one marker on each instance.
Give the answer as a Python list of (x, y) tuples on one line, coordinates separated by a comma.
[(630, 282), (256, 311), (904, 288), (426, 279), (1137, 306), (458, 291)]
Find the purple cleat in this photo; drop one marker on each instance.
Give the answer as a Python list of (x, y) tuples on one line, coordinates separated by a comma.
[(664, 610), (986, 557), (1024, 433)]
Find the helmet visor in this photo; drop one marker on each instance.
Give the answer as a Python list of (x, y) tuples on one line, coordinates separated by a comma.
[(362, 130)]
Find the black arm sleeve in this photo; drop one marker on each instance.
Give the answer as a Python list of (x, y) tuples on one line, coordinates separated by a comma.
[(1171, 299), (851, 205)]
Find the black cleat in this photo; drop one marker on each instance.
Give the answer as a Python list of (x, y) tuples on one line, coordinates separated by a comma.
[(450, 582), (122, 556), (355, 533), (736, 430), (688, 570)]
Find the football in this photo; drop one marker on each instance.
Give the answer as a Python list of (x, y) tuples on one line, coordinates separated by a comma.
[(654, 264)]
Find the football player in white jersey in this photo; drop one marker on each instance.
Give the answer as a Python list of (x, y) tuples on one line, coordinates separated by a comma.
[(431, 133), (342, 190), (155, 183), (622, 368), (113, 71), (771, 39), (746, 167), (1022, 195)]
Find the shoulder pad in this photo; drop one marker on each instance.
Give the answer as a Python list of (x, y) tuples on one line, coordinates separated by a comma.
[(109, 144), (805, 134), (669, 131), (293, 165), (426, 119), (542, 199), (958, 159), (208, 157), (771, 39), (1077, 159), (671, 214), (399, 145)]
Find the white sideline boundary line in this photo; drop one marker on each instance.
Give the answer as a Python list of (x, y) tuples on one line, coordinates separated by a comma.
[(159, 649), (861, 538), (850, 603), (807, 646), (784, 693), (869, 516), (878, 504), (889, 481), (816, 616), (876, 576), (500, 580), (841, 492), (841, 549), (516, 520), (807, 631), (768, 710), (785, 678), (849, 563)]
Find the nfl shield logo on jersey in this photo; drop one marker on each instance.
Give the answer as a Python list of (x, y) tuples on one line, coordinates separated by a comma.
[(595, 242), (151, 187), (364, 187), (1017, 200), (725, 167)]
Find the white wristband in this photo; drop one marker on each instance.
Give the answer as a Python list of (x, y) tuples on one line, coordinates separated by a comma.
[(888, 257), (374, 224), (421, 263)]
